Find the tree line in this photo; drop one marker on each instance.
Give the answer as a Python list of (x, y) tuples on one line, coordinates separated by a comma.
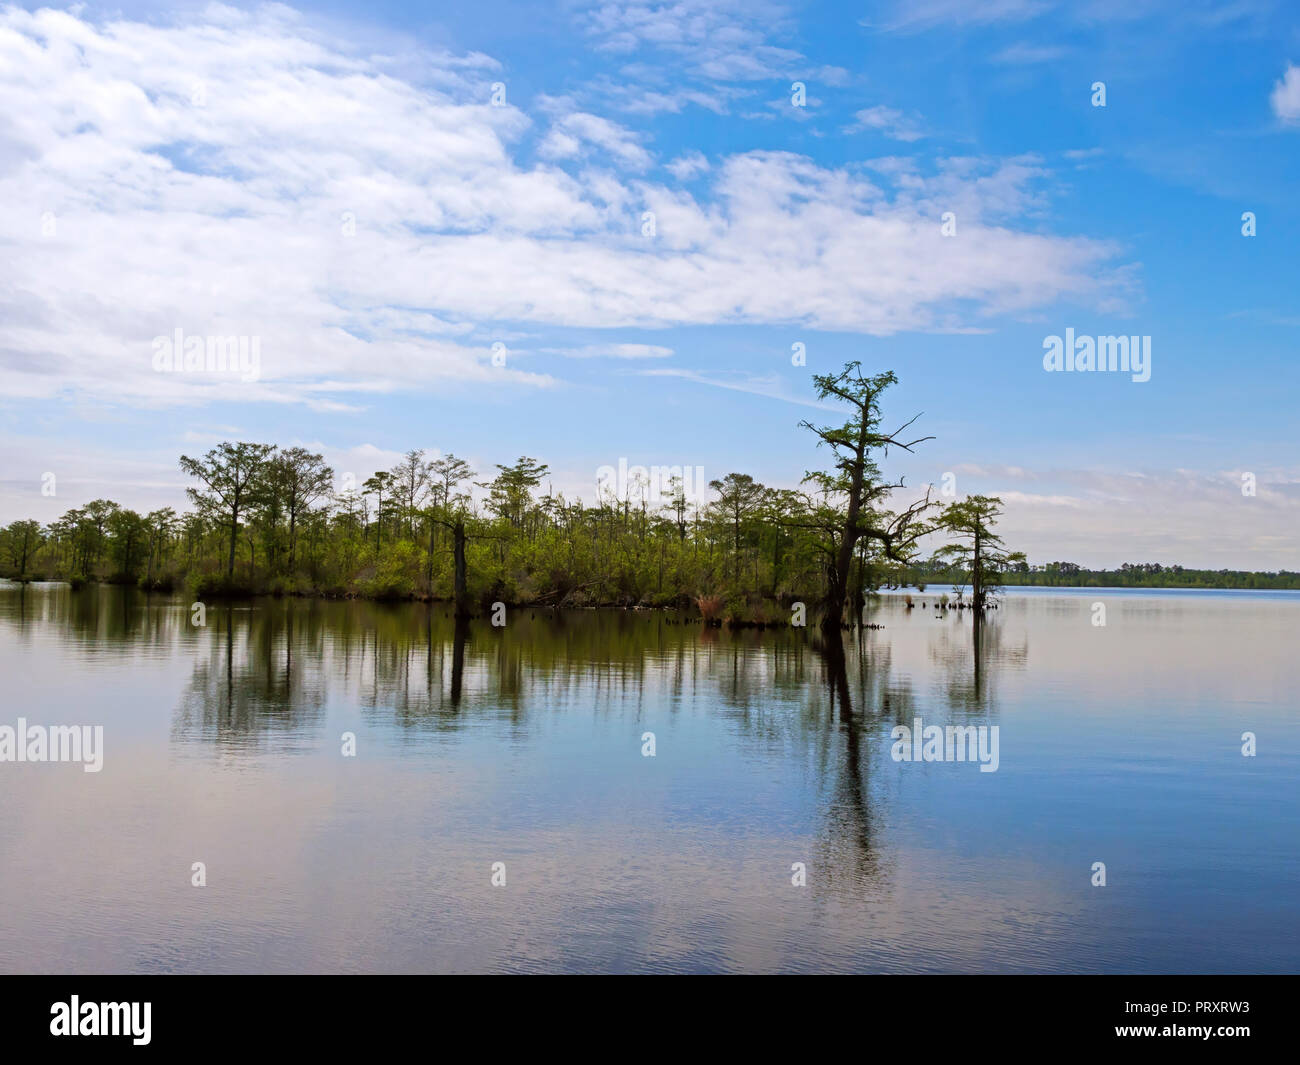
[(1127, 575), (275, 520)]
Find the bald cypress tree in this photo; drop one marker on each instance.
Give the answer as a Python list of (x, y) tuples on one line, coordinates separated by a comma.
[(854, 494), (978, 549)]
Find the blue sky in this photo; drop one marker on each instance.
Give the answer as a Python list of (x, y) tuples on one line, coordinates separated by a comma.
[(196, 168)]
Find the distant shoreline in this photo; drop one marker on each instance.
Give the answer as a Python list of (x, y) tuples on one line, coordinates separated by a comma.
[(934, 589), (939, 588)]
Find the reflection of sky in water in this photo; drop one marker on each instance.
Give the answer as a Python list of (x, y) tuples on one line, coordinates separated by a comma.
[(522, 745)]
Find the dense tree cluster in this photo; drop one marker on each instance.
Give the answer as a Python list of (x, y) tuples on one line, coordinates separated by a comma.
[(272, 521), (266, 519), (278, 520)]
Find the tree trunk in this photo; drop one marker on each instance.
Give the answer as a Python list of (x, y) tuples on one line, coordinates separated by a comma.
[(462, 598), (839, 584), (859, 598), (776, 559), (428, 569)]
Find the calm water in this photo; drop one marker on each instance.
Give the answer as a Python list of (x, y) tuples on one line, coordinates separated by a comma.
[(1119, 744)]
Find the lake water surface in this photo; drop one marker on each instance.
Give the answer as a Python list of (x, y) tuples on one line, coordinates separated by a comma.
[(523, 745)]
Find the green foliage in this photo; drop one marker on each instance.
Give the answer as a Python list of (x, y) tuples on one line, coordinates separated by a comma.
[(271, 521), (205, 586), (977, 552), (393, 577), (848, 513)]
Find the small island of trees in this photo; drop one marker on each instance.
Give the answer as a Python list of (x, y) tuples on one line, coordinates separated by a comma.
[(268, 520)]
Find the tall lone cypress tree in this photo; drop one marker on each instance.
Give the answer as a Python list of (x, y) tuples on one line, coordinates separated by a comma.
[(854, 491)]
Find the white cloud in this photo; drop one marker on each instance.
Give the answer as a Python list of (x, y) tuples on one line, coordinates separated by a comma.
[(917, 15), (1024, 54), (770, 386), (1286, 95), (1103, 518), (613, 351), (239, 176), (893, 124), (571, 132), (688, 166), (716, 40)]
